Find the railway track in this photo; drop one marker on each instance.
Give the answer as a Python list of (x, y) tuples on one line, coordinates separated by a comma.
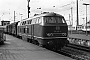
[(79, 47), (75, 53)]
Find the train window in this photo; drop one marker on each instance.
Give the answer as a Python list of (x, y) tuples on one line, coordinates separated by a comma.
[(40, 20), (37, 20), (21, 23), (24, 30), (19, 30), (27, 30), (33, 21), (54, 20), (29, 21), (25, 22)]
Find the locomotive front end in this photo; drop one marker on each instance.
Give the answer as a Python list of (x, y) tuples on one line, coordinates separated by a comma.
[(55, 31)]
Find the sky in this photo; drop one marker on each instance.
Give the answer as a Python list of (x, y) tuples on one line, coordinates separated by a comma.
[(63, 7)]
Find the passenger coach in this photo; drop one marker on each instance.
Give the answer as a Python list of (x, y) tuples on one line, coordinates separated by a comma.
[(49, 29), (12, 28)]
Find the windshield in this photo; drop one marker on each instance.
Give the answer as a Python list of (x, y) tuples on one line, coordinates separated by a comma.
[(54, 20)]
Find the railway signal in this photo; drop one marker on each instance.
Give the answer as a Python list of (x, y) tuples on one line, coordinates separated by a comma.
[(28, 8)]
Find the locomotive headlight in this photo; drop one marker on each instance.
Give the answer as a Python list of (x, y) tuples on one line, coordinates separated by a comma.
[(64, 34), (49, 34)]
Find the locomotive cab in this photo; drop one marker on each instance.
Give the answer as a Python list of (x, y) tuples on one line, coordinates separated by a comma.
[(54, 30)]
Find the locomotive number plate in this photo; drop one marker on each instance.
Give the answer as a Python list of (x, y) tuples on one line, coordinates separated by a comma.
[(57, 27)]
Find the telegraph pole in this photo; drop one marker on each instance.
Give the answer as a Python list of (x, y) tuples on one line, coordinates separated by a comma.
[(77, 14), (28, 8), (72, 15), (14, 16)]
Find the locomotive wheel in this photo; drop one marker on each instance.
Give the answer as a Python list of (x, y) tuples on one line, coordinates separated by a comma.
[(29, 40), (35, 42), (2, 42), (40, 45), (20, 37), (54, 49)]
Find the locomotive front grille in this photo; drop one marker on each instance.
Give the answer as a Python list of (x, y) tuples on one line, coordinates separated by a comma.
[(59, 34), (56, 34)]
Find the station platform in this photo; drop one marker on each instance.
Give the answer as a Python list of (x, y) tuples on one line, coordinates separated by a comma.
[(17, 49), (79, 36)]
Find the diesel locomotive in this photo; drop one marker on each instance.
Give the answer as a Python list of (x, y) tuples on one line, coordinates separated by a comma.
[(48, 29)]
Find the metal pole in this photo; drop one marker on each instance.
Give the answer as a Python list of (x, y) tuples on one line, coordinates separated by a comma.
[(14, 16), (72, 16), (77, 14), (86, 19), (70, 25), (28, 8), (86, 16)]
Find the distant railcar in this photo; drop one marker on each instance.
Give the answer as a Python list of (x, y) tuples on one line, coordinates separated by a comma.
[(12, 28), (49, 29), (9, 29)]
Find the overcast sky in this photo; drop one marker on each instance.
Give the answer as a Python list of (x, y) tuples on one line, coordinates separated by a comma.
[(7, 8)]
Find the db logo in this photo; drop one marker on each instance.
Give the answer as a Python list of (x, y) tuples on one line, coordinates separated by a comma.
[(57, 28)]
